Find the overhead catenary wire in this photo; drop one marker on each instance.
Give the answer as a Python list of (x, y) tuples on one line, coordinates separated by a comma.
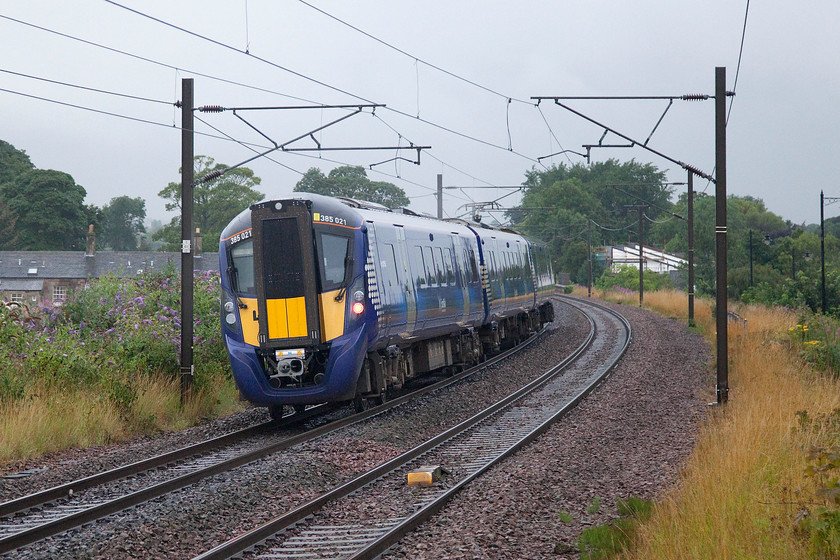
[(415, 58), (243, 144), (735, 83), (86, 88), (240, 51), (738, 66), (179, 69), (319, 82), (223, 136), (155, 62), (91, 109)]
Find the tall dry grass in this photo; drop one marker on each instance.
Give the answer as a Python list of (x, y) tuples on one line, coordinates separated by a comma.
[(56, 419), (742, 487)]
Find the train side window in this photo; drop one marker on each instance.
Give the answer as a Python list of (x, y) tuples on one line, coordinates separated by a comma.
[(439, 267), (450, 267), (473, 265), (429, 262), (389, 265), (466, 268), (418, 267)]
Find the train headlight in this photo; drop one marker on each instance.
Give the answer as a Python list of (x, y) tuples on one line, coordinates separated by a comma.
[(356, 304), (229, 312)]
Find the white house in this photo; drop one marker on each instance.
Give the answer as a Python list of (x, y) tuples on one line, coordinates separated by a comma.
[(652, 259)]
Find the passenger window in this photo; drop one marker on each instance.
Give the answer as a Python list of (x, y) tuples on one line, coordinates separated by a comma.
[(418, 267), (450, 267), (441, 274), (390, 265), (473, 264), (429, 262)]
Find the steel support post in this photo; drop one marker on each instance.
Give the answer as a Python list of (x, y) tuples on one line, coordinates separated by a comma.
[(641, 255), (187, 152), (822, 250), (721, 305), (691, 248)]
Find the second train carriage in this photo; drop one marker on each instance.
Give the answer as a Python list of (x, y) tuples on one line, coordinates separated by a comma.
[(329, 299)]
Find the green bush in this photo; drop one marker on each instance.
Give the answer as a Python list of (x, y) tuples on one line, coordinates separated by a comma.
[(627, 277), (114, 329)]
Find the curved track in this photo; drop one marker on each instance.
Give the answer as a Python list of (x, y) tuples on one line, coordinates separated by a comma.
[(342, 524), (42, 514)]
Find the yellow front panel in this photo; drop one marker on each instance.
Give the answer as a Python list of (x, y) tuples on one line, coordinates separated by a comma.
[(332, 315), (286, 318), (278, 323), (248, 319), (296, 312)]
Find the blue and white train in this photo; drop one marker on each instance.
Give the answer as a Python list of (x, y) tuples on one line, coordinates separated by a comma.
[(332, 299)]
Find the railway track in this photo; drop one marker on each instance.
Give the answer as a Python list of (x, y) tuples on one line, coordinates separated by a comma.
[(364, 517), (34, 517)]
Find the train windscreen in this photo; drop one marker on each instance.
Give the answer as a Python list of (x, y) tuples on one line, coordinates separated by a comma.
[(242, 261), (333, 263)]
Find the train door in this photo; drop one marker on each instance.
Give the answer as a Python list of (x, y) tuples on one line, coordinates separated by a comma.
[(405, 280), (392, 312), (285, 279)]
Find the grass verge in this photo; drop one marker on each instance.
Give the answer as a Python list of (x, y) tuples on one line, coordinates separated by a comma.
[(55, 418), (753, 487)]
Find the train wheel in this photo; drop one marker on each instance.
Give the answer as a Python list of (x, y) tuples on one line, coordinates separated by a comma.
[(361, 403), (300, 408), (379, 399), (276, 411)]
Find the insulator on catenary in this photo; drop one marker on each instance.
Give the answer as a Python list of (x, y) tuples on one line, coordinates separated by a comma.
[(211, 108), (210, 176), (693, 169), (695, 97)]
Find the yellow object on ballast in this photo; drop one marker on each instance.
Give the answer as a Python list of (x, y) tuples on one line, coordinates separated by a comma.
[(425, 476)]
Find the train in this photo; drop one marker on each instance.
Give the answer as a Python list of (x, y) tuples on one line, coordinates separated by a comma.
[(331, 299)]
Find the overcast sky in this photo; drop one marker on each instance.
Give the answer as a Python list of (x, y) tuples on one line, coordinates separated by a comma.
[(782, 135)]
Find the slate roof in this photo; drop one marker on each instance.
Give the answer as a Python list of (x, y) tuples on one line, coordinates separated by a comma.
[(38, 265)]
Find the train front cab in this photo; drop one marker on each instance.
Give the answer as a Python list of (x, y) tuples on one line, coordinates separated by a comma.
[(298, 279)]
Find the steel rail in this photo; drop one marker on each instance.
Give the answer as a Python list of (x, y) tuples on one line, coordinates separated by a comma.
[(288, 520), (393, 536), (95, 512), (63, 490)]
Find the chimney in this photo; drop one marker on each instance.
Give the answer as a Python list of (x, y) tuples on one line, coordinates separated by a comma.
[(90, 245), (197, 239)]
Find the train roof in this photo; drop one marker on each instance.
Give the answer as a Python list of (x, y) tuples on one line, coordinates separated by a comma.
[(367, 210)]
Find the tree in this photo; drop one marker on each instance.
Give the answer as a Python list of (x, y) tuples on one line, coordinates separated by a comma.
[(122, 222), (13, 162), (216, 202), (352, 182), (559, 202), (50, 210), (8, 234)]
